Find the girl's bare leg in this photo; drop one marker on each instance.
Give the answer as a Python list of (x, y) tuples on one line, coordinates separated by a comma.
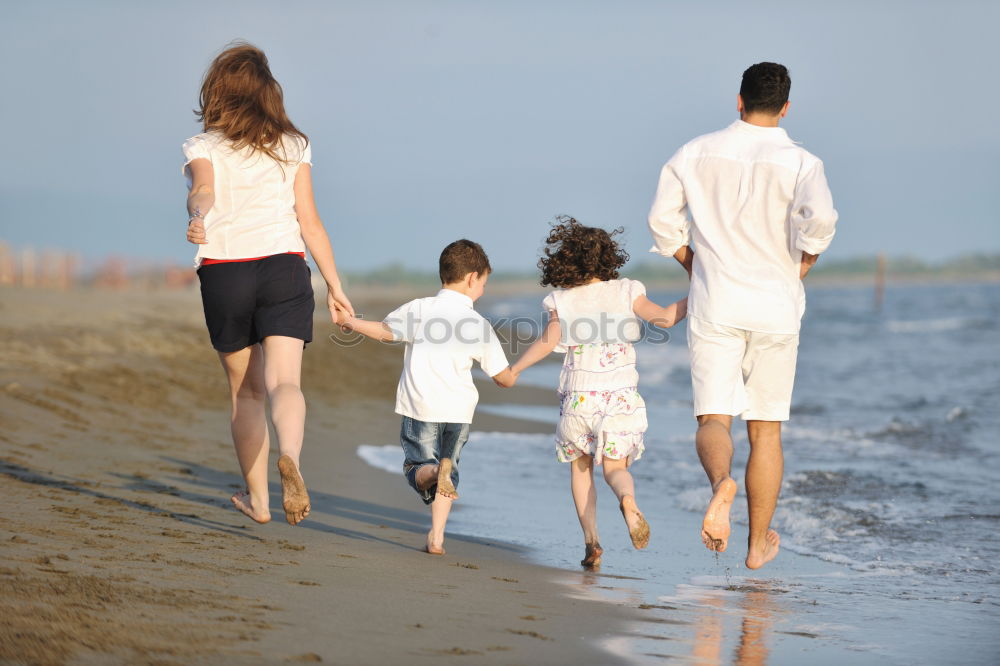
[(585, 498), (620, 480), (245, 371), (282, 378)]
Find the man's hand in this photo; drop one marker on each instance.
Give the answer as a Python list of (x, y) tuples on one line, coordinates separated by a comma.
[(196, 231), (685, 257), (808, 261)]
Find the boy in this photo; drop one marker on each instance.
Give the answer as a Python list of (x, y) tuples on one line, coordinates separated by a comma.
[(746, 211), (436, 396)]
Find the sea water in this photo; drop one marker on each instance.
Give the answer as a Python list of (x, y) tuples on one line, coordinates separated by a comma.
[(889, 511)]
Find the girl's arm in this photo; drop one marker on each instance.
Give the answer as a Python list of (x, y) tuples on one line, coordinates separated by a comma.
[(200, 199), (318, 242), (541, 347), (657, 315)]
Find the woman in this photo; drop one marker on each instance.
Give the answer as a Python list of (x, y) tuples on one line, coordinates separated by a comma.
[(251, 211)]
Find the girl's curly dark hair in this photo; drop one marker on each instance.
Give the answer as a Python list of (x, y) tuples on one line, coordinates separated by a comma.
[(575, 254)]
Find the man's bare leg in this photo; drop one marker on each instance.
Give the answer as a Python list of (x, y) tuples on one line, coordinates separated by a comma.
[(763, 482), (715, 450), (245, 372), (585, 498), (620, 480)]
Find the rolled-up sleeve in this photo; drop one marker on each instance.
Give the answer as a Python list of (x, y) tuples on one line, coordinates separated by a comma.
[(668, 218), (813, 216), (195, 148)]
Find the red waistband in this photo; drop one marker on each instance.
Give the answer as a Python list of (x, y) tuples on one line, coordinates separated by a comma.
[(209, 262)]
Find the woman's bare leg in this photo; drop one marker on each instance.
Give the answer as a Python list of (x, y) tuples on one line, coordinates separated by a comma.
[(620, 480), (245, 371), (282, 378)]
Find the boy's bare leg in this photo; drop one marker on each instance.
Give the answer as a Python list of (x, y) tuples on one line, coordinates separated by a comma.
[(585, 498), (282, 376), (715, 450), (763, 482), (445, 487), (440, 508), (245, 371), (620, 480), (426, 476)]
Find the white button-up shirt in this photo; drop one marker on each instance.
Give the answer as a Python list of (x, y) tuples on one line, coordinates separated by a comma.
[(750, 202), (254, 210), (443, 336)]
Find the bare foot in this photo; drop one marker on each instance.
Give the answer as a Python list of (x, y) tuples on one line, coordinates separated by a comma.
[(638, 528), (715, 527), (434, 548), (445, 487), (295, 498), (592, 556), (758, 557), (241, 501)]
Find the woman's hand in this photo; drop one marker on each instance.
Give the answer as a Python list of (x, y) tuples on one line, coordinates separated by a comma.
[(196, 231), (336, 299)]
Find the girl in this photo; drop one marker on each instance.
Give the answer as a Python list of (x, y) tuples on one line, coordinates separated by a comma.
[(592, 319), (251, 211)]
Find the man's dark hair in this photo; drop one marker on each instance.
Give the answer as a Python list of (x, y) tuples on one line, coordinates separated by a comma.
[(765, 88), (461, 258)]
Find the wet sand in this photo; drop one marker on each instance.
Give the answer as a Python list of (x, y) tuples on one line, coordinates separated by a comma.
[(119, 543)]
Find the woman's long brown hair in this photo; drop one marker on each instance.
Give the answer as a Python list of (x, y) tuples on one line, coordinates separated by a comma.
[(242, 100)]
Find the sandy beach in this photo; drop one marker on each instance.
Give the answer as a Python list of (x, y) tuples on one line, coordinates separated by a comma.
[(120, 544)]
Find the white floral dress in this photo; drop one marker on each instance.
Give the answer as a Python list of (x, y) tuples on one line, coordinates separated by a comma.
[(601, 411)]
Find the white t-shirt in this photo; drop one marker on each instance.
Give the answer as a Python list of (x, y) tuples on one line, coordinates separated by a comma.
[(254, 210), (750, 201), (443, 336), (596, 313)]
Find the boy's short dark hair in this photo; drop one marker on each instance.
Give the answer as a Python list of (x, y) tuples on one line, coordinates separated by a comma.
[(765, 87), (460, 258)]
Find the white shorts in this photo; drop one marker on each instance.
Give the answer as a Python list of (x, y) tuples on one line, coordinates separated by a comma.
[(735, 371)]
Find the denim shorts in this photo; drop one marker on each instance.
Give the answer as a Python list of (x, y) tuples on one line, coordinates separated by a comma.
[(426, 444)]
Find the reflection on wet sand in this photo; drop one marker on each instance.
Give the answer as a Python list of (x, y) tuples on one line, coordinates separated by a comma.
[(722, 625), (756, 607)]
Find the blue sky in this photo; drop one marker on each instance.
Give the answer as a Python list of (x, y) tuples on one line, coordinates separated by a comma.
[(436, 120)]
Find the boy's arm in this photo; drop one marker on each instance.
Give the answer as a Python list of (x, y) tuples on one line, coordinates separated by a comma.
[(376, 330), (541, 347), (657, 315)]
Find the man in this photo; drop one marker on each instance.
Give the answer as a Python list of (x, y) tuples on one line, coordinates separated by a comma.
[(746, 212)]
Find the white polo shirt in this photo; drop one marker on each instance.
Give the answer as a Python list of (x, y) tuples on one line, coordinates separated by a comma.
[(254, 210), (443, 336), (752, 201)]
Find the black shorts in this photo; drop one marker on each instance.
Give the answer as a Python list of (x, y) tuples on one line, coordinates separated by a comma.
[(246, 301)]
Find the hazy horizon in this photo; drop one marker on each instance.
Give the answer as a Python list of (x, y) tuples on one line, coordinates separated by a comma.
[(437, 120)]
